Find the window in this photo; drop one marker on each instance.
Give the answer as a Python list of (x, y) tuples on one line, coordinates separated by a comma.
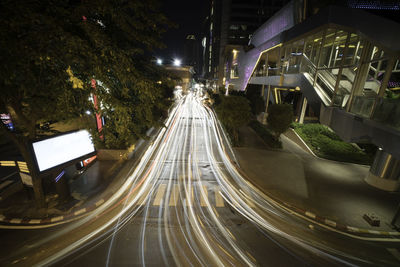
[(234, 72)]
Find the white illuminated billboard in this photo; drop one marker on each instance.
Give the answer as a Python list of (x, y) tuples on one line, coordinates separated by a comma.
[(61, 149)]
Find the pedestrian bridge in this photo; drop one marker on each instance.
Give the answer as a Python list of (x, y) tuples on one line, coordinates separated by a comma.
[(346, 65)]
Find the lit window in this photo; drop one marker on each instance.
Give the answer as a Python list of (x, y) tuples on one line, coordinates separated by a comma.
[(234, 72), (234, 27)]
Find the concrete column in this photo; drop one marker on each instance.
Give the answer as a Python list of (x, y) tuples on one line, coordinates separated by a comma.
[(264, 120), (384, 172), (303, 110)]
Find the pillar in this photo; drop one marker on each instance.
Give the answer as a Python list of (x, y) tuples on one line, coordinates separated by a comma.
[(303, 110), (384, 172)]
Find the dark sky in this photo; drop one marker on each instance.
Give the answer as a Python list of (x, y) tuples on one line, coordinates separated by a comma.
[(189, 16)]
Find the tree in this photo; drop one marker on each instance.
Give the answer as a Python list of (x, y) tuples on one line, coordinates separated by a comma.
[(49, 52), (280, 116), (234, 112)]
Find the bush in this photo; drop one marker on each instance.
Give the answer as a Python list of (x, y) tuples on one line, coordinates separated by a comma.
[(234, 112), (327, 144), (265, 134), (280, 117)]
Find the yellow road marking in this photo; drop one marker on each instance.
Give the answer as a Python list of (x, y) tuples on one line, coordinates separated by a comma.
[(173, 200), (160, 194), (203, 196), (219, 202), (191, 197)]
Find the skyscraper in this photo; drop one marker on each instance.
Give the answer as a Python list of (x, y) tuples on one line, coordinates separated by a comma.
[(230, 25)]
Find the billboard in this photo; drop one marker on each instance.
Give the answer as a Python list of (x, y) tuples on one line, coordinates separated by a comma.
[(61, 149)]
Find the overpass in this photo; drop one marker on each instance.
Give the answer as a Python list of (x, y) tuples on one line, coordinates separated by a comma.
[(345, 63)]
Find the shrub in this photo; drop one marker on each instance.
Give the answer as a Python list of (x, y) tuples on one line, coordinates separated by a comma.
[(234, 112), (265, 134), (280, 116), (327, 144)]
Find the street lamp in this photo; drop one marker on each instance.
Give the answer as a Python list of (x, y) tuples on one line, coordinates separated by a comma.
[(159, 61), (177, 62)]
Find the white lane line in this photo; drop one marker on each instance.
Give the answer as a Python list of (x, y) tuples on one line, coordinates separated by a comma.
[(395, 253), (16, 220), (219, 202), (173, 200), (56, 219), (203, 196), (159, 195), (34, 221)]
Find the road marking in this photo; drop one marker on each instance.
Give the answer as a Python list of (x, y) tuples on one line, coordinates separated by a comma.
[(98, 203), (374, 232), (191, 197), (7, 163), (330, 222), (22, 166), (311, 215), (143, 197), (159, 195), (173, 200), (219, 202), (34, 221), (203, 196), (80, 211), (250, 202), (56, 219), (395, 253), (352, 229), (2, 217), (16, 220)]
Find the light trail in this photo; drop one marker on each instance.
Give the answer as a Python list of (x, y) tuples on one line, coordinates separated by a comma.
[(191, 229)]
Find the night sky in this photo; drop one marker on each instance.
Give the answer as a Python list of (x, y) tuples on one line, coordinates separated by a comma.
[(189, 15)]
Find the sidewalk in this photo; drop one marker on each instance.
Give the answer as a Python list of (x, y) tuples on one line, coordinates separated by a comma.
[(332, 193), (89, 190)]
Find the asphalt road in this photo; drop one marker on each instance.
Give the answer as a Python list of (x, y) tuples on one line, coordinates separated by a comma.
[(187, 205)]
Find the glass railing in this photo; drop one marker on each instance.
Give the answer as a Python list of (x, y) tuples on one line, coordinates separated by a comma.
[(363, 106), (387, 111)]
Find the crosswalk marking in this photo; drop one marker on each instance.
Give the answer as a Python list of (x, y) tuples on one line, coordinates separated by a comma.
[(203, 196), (219, 202), (159, 195), (191, 197), (173, 200), (250, 202)]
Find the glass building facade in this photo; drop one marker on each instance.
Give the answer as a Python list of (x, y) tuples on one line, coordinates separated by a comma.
[(346, 69)]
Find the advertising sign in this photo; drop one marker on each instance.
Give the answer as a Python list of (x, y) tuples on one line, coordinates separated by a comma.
[(6, 119), (58, 150)]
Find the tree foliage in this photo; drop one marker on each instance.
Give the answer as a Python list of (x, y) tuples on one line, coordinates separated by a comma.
[(280, 116), (51, 50), (234, 112)]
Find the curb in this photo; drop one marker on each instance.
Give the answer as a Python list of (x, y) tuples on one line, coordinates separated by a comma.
[(79, 212), (327, 223)]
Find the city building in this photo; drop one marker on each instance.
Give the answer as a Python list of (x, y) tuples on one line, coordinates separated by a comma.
[(229, 27), (192, 54), (343, 65)]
